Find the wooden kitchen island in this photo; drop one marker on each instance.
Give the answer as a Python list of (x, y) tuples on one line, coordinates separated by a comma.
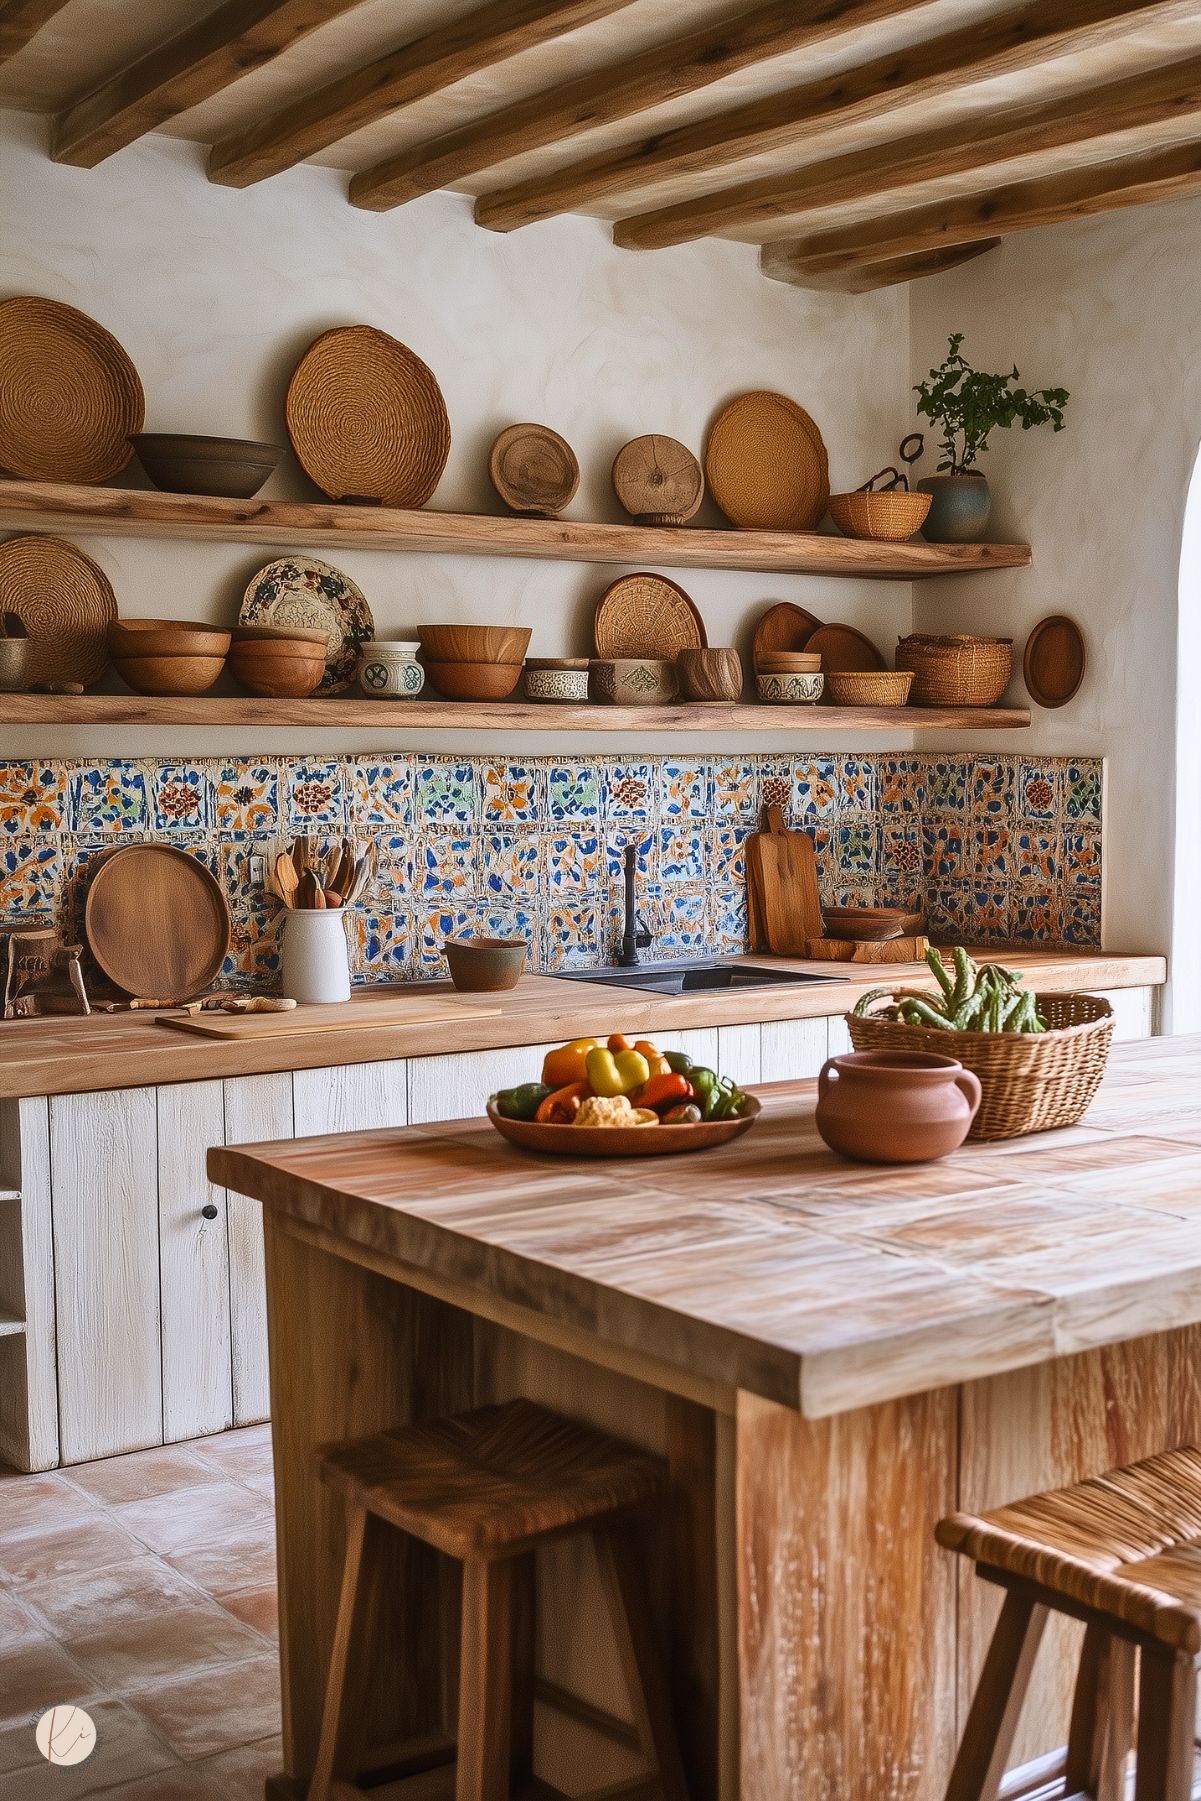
[(829, 1356)]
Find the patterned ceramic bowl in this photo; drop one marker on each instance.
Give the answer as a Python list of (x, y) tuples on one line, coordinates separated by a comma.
[(635, 681), (792, 690), (556, 678), (389, 670)]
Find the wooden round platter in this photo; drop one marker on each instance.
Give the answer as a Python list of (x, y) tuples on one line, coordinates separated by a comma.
[(157, 922), (66, 604), (70, 399), (1054, 663), (766, 464), (622, 1141), (534, 470), (784, 626), (842, 648), (646, 615), (658, 480)]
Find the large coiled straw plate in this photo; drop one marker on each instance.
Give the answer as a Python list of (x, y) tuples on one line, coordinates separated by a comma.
[(70, 399), (367, 419), (66, 604)]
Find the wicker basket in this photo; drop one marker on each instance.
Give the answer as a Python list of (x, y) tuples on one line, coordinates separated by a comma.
[(869, 687), (890, 516), (1032, 1081), (956, 671)]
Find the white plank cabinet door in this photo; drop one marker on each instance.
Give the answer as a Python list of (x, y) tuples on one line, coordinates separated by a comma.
[(793, 1050), (1134, 1012), (356, 1098), (257, 1108), (28, 1379), (103, 1156), (740, 1053), (458, 1086), (193, 1264)]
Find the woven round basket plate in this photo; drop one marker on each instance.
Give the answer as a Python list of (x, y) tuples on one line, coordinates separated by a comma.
[(367, 419), (66, 604), (766, 464), (844, 650), (646, 616), (305, 592), (70, 399), (157, 922)]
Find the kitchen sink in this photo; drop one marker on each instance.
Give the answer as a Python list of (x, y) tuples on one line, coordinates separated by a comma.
[(691, 978)]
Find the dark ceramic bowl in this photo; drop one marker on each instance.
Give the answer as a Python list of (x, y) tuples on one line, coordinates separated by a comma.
[(183, 463), (485, 965)]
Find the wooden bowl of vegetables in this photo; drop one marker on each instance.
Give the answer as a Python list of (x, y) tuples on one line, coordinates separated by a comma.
[(622, 1099)]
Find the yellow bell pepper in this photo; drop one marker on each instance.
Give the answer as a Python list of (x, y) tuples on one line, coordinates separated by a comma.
[(566, 1065), (616, 1072)]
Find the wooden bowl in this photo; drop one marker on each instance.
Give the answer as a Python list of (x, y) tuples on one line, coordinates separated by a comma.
[(474, 643), (710, 675), (622, 1141), (484, 965), (870, 925), (279, 634), (282, 671), (185, 463), (788, 662), (166, 638), (474, 681), (169, 675)]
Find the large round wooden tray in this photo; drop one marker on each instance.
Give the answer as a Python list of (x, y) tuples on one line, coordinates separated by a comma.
[(622, 1141), (157, 922)]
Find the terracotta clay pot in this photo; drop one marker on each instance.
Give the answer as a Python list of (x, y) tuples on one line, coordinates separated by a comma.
[(895, 1106)]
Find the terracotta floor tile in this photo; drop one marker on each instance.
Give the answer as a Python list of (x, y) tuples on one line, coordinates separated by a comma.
[(41, 1504), (126, 1750), (237, 1455), (257, 1607), (71, 1606), (181, 1783), (16, 1626), (239, 1558), (240, 1774), (33, 1556), (188, 1517), (141, 1475), (234, 1705), (34, 1676)]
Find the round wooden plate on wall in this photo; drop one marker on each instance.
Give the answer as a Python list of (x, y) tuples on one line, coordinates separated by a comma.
[(766, 464), (784, 626), (658, 481), (70, 399), (157, 922), (646, 616), (1055, 659), (534, 470)]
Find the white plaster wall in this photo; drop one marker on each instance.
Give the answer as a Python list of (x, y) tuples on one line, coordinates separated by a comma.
[(215, 294), (1107, 308)]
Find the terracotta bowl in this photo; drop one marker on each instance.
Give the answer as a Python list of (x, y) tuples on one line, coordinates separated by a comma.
[(185, 463), (166, 638), (279, 670), (474, 681), (474, 643), (895, 1106), (485, 965), (169, 675)]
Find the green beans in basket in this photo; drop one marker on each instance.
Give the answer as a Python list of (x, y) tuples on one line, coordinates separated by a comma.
[(977, 998)]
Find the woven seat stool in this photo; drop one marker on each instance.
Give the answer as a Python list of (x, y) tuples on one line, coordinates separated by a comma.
[(1122, 1553), (488, 1488)]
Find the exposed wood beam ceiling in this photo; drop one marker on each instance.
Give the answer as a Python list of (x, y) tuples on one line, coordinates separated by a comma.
[(861, 143)]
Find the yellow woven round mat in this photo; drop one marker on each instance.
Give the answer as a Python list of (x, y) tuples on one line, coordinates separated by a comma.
[(367, 419), (646, 616), (70, 399), (66, 604), (766, 464)]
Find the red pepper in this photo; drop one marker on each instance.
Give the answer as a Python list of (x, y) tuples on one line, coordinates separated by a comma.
[(662, 1091), (561, 1107)]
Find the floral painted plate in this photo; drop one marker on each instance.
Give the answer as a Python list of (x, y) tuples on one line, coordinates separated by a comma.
[(303, 591)]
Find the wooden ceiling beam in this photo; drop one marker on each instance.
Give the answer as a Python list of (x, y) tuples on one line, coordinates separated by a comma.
[(20, 19), (1074, 194), (491, 34), (1153, 98), (682, 66), (865, 278), (192, 66), (1006, 45)]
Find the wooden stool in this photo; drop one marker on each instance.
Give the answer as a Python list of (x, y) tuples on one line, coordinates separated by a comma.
[(488, 1488), (1123, 1554)]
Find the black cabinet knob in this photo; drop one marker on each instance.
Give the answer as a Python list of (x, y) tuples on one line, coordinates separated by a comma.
[(209, 1211)]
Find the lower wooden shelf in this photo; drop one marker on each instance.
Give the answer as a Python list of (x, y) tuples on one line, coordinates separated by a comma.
[(343, 712)]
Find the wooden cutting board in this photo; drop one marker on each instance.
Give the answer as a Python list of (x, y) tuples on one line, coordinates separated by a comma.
[(340, 1016), (788, 899)]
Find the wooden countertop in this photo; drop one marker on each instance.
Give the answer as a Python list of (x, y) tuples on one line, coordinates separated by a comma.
[(130, 1050), (775, 1266)]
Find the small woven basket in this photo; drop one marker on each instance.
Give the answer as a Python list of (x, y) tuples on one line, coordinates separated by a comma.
[(890, 516), (956, 671), (1031, 1081), (869, 687)]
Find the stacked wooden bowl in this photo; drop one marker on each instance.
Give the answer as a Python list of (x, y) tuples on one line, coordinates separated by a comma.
[(474, 662), (167, 656), (284, 662)]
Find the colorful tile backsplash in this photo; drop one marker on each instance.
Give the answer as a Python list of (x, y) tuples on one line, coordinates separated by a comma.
[(996, 848)]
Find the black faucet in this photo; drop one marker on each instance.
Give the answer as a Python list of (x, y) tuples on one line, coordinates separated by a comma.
[(635, 936)]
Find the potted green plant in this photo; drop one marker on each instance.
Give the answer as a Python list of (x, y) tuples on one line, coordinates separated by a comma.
[(968, 405)]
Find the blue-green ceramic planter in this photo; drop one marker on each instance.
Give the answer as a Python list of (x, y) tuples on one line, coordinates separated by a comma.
[(960, 508)]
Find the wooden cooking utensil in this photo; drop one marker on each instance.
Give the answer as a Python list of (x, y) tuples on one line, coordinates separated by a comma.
[(788, 887), (1054, 663), (658, 481), (286, 879), (157, 922), (534, 470)]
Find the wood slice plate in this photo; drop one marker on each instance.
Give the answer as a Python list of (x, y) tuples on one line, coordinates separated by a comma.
[(157, 922), (622, 1141), (1055, 661), (783, 627), (534, 470), (842, 648), (367, 419), (766, 464), (66, 604), (70, 399), (658, 480), (305, 592), (646, 615)]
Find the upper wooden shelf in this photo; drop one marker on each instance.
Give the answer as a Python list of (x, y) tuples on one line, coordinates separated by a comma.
[(347, 711), (136, 513)]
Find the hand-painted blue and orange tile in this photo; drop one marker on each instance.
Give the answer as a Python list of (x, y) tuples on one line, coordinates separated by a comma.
[(513, 792), (449, 866), (381, 794), (247, 797), (574, 791), (683, 791), (182, 798), (511, 866), (33, 798), (316, 795), (108, 797)]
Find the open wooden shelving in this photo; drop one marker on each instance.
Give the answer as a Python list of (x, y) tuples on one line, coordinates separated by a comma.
[(291, 525), (342, 712)]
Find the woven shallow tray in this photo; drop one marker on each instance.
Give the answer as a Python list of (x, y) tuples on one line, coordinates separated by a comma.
[(646, 616), (66, 604), (367, 419), (766, 464), (70, 399), (1031, 1081)]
